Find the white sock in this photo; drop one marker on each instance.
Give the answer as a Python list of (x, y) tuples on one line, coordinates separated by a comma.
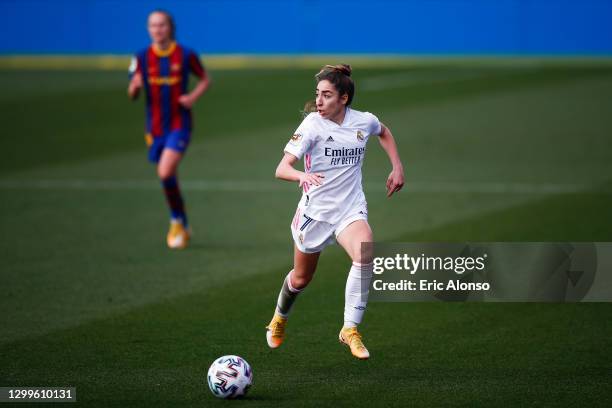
[(356, 293)]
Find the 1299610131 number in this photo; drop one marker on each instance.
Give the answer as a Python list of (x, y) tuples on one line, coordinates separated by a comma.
[(36, 394)]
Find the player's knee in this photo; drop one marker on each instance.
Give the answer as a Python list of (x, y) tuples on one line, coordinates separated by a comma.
[(164, 173), (300, 281), (363, 251)]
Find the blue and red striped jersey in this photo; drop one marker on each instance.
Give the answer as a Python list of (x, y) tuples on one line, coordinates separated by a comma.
[(165, 75)]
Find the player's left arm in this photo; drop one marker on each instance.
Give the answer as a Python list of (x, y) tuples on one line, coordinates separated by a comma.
[(189, 99), (395, 181)]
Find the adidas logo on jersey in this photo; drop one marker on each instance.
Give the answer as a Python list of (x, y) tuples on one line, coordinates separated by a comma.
[(329, 139)]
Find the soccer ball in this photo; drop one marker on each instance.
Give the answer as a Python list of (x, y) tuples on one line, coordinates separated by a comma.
[(229, 377)]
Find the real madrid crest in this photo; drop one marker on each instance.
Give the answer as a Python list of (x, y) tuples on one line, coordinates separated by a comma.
[(301, 238), (360, 136)]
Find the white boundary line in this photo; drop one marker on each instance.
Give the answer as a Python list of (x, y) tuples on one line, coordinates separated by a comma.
[(255, 186), (284, 61)]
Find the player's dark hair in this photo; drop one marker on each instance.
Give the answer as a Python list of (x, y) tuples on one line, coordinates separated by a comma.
[(170, 20), (340, 76)]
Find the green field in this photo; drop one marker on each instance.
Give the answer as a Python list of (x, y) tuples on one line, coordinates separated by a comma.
[(92, 298)]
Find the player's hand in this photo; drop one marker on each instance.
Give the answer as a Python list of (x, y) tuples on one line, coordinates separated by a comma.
[(314, 179), (186, 101), (395, 181)]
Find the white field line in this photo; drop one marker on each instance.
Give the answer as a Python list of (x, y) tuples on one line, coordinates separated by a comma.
[(247, 186), (250, 61)]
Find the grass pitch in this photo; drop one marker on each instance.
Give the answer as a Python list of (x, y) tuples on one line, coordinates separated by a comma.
[(92, 298)]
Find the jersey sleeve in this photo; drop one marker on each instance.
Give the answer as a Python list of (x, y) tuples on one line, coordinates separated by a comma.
[(374, 126), (301, 141), (195, 65)]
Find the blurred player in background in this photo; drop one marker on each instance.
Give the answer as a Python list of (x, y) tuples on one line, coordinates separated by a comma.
[(332, 141), (163, 70)]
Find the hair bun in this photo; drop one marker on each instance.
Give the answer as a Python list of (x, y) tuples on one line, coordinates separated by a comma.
[(342, 68)]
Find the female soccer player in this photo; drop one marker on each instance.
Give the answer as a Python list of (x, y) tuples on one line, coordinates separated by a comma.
[(163, 70), (333, 142)]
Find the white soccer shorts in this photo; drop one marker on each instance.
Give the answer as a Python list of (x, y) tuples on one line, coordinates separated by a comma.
[(311, 236)]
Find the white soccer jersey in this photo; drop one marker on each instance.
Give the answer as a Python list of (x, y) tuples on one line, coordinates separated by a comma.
[(336, 151)]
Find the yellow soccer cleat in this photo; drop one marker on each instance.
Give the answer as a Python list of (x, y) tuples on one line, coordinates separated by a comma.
[(352, 338), (276, 331), (178, 236)]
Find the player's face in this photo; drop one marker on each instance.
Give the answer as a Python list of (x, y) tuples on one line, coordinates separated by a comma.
[(159, 27), (329, 102)]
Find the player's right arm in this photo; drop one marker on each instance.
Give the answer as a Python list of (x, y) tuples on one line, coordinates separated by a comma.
[(300, 144), (286, 171)]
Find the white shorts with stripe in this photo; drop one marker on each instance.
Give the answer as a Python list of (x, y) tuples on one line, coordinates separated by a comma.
[(311, 236)]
